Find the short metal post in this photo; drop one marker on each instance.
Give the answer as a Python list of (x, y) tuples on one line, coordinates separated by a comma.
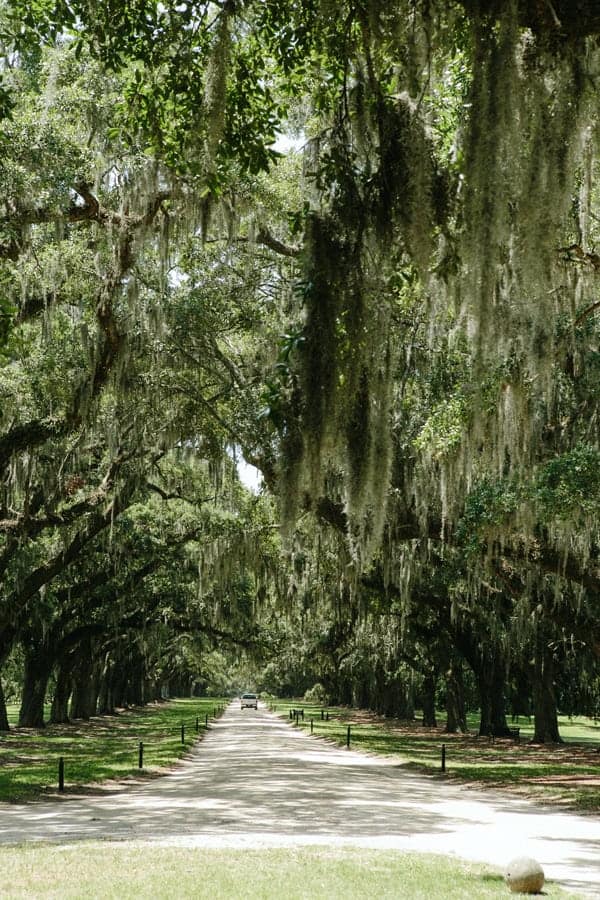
[(443, 757), (61, 774), (197, 725), (322, 714), (327, 716), (291, 714), (348, 738), (183, 734), (141, 755), (311, 726)]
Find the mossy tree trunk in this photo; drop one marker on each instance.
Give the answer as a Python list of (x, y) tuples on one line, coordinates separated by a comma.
[(544, 695)]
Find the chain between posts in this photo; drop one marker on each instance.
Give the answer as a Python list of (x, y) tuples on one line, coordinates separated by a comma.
[(61, 759)]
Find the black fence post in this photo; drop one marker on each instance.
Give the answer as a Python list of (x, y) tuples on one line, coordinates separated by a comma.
[(197, 725), (327, 716), (322, 714), (206, 720), (443, 757), (61, 774), (183, 734), (348, 738), (291, 714), (311, 726), (141, 755)]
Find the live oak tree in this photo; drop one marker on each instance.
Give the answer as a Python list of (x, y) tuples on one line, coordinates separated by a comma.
[(93, 364), (404, 337)]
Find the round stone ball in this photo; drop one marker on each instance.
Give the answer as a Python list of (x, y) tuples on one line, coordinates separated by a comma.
[(524, 876)]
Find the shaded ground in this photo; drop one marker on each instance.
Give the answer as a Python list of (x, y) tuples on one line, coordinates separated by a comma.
[(567, 774), (256, 781)]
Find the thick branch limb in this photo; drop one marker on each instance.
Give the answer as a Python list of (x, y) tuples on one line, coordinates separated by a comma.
[(587, 312), (33, 434), (265, 237), (29, 526), (45, 573)]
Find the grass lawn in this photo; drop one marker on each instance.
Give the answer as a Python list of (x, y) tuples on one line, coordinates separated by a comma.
[(567, 773), (121, 872), (106, 747)]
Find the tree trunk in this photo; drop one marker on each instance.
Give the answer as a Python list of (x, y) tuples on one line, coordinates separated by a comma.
[(152, 690), (135, 681), (4, 726), (396, 700), (429, 687), (118, 683), (456, 717), (7, 638), (491, 681), (361, 692), (85, 690), (344, 690), (59, 713), (35, 683), (520, 695), (544, 697), (106, 694)]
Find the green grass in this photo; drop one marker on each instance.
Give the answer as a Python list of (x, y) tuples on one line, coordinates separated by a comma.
[(103, 871), (104, 748), (555, 773)]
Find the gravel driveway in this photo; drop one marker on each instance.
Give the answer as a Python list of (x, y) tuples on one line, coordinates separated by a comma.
[(256, 781)]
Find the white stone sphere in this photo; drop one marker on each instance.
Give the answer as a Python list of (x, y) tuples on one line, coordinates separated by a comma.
[(524, 875)]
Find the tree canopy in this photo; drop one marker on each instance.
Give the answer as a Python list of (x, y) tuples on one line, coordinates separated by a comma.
[(355, 244)]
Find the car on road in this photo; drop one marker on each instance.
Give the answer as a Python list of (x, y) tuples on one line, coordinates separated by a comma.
[(249, 701)]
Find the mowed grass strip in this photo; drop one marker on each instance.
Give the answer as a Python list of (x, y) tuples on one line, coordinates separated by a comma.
[(101, 749), (132, 871), (567, 773)]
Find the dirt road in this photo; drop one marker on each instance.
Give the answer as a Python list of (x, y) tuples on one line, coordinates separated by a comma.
[(256, 781)]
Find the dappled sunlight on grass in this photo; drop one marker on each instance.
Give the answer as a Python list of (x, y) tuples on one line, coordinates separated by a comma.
[(258, 782), (126, 873), (105, 748), (569, 772)]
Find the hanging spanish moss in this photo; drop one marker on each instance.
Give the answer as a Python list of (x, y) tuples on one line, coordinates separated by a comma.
[(383, 207)]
